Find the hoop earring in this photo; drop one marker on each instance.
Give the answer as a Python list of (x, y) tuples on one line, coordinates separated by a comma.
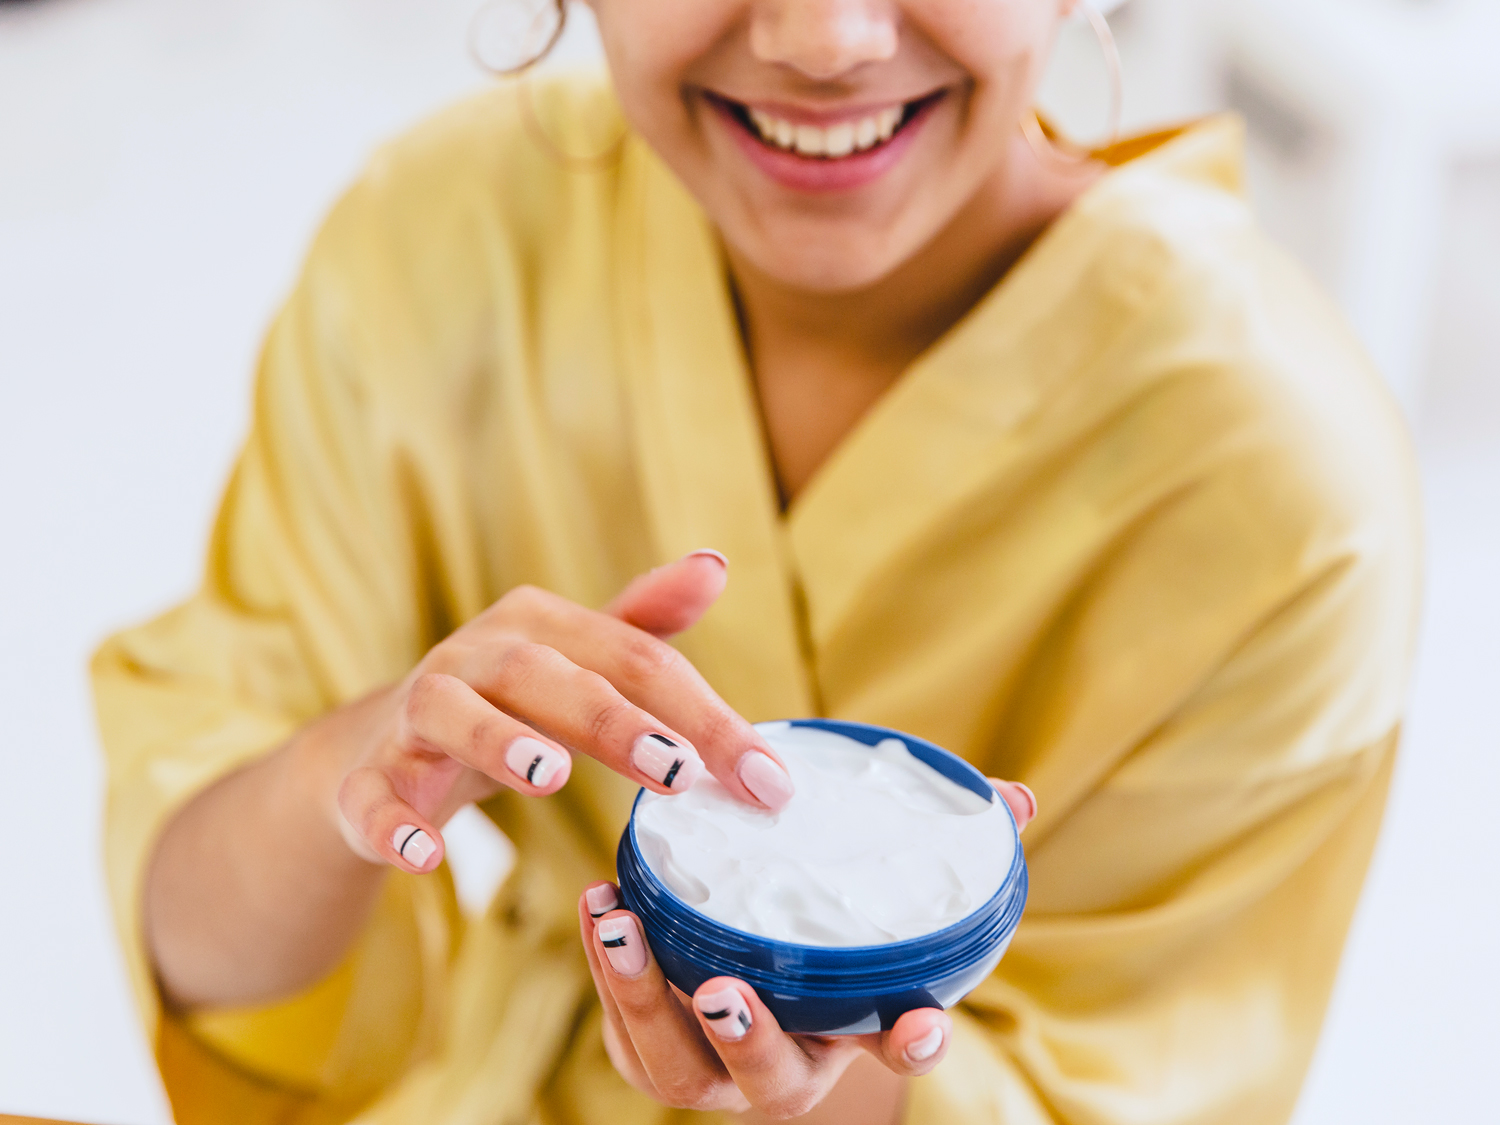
[(554, 10), (1049, 145), (546, 23)]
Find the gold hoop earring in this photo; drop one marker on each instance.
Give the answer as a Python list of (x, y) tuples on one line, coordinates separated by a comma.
[(528, 31), (1046, 143)]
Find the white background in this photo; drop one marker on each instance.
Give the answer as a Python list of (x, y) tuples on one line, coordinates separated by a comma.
[(163, 164)]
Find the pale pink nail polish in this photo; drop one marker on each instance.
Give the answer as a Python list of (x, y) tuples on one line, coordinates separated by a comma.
[(727, 1013), (534, 761), (1030, 796), (766, 780), (925, 1047), (601, 900), (708, 552), (623, 945), (667, 761), (413, 845)]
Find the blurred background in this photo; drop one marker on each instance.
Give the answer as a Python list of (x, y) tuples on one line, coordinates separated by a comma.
[(163, 164)]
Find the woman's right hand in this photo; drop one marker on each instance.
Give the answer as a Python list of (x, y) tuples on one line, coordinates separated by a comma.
[(508, 697)]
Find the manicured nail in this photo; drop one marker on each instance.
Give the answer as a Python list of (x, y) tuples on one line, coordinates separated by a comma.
[(727, 1013), (767, 781), (413, 845), (676, 765), (601, 900), (708, 552), (925, 1047), (534, 760), (1030, 796), (623, 946)]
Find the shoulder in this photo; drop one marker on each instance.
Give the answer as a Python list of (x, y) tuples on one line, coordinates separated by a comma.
[(1278, 462), (1236, 340)]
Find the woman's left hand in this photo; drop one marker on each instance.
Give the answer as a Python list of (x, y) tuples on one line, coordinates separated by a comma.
[(721, 1049)]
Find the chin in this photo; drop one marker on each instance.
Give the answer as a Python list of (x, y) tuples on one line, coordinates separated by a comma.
[(826, 261)]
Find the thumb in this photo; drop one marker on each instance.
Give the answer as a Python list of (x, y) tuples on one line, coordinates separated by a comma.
[(671, 598)]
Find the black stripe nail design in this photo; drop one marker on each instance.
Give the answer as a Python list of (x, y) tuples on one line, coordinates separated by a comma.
[(614, 943), (671, 773), (601, 913), (742, 1016), (664, 740), (531, 769), (401, 851)]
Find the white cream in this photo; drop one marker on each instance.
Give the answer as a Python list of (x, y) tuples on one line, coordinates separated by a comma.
[(875, 846)]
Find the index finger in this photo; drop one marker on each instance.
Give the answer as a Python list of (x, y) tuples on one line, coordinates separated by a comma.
[(655, 677)]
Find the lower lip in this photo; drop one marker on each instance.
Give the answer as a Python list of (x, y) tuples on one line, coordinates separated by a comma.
[(825, 176)]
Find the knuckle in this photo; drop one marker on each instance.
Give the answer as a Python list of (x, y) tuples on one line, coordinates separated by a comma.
[(644, 659), (606, 720), (524, 601), (422, 695), (688, 1092), (782, 1105), (518, 663)]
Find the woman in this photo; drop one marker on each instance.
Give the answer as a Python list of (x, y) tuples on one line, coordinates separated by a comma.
[(1055, 463)]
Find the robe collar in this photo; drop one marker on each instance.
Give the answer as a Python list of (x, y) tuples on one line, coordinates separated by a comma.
[(954, 424)]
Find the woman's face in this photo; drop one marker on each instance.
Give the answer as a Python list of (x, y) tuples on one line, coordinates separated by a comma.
[(829, 140)]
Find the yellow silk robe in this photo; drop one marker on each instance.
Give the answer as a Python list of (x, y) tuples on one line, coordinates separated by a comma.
[(1140, 531)]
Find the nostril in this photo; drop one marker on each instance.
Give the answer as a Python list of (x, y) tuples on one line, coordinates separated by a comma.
[(824, 47)]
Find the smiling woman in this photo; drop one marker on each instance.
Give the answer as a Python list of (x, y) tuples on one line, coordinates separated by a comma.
[(1053, 463)]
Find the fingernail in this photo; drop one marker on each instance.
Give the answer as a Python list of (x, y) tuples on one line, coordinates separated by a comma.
[(601, 900), (767, 781), (1030, 796), (675, 765), (413, 845), (925, 1047), (534, 760), (623, 946), (727, 1013), (708, 552)]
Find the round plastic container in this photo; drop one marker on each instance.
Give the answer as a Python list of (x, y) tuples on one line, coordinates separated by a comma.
[(832, 990)]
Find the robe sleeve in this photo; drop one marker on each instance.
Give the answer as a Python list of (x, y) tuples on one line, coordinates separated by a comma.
[(1192, 886), (307, 601)]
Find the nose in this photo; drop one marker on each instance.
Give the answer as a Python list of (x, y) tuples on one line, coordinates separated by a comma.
[(823, 39)]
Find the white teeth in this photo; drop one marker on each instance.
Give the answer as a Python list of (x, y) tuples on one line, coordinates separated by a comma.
[(834, 141)]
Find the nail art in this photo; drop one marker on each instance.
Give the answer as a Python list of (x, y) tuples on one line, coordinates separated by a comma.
[(534, 760), (413, 845), (622, 943), (727, 1013), (675, 765), (601, 900), (768, 782), (925, 1047)]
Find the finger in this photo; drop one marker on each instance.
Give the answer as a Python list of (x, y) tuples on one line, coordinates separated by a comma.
[(386, 827), (445, 716), (598, 900), (671, 598), (583, 711), (666, 1037), (1020, 798), (657, 678), (916, 1043), (771, 1068)]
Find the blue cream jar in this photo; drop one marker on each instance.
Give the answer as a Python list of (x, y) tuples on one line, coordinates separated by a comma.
[(832, 989)]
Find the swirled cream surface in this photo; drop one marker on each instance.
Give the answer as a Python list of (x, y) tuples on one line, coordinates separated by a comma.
[(874, 847)]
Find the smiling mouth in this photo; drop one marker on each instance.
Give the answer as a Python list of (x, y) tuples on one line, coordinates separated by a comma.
[(853, 137)]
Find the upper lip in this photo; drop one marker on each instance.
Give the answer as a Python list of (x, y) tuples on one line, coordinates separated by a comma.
[(820, 116)]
